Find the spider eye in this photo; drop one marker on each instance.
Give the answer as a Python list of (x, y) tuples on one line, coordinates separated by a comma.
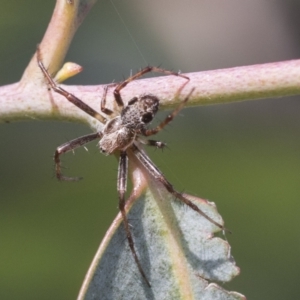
[(147, 117)]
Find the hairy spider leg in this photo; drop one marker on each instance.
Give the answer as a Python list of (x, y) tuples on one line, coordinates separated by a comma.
[(103, 107), (158, 175), (123, 161), (145, 70), (166, 121), (122, 182), (122, 187), (152, 143), (70, 97), (170, 117), (69, 146)]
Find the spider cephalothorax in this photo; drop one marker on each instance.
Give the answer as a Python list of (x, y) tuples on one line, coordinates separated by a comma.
[(123, 129), (140, 111), (120, 132)]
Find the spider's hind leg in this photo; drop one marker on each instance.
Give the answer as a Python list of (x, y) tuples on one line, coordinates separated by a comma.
[(158, 175), (122, 186)]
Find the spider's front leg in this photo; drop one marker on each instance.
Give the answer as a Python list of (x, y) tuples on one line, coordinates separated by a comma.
[(122, 187), (139, 74), (169, 118), (153, 143), (70, 97), (69, 146), (103, 107)]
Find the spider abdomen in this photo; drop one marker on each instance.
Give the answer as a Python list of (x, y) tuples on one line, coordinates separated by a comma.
[(116, 136)]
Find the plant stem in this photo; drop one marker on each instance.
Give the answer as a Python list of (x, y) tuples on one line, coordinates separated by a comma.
[(34, 101)]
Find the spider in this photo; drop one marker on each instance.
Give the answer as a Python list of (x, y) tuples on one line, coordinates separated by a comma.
[(122, 132)]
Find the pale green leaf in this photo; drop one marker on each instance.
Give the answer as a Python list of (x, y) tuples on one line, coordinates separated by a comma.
[(176, 247)]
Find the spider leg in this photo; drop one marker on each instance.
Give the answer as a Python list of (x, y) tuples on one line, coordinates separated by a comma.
[(122, 186), (169, 118), (158, 175), (105, 110), (70, 97), (69, 146), (153, 143), (148, 69)]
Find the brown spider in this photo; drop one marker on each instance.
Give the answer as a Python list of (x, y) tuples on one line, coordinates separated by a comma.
[(122, 132)]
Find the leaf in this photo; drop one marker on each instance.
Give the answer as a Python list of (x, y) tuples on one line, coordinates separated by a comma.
[(176, 249)]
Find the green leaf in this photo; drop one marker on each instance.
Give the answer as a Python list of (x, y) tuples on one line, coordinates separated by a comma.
[(174, 243), (175, 246)]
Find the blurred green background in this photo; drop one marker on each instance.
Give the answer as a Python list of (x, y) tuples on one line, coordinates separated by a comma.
[(244, 156)]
